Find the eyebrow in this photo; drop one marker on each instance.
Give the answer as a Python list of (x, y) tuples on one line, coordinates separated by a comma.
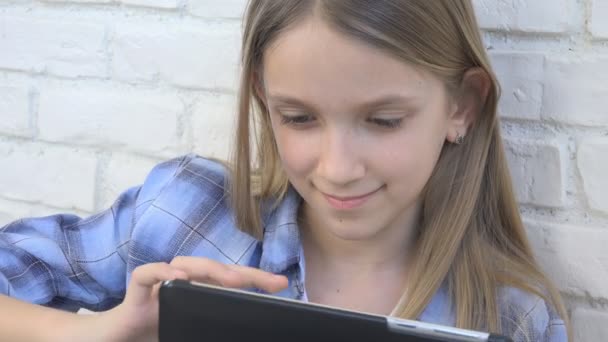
[(374, 103)]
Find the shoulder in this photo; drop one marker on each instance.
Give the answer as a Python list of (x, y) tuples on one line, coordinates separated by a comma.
[(181, 185), (189, 168), (528, 317), (184, 209), (181, 179)]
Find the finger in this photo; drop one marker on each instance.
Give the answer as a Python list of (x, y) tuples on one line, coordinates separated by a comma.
[(209, 271), (146, 276), (253, 277)]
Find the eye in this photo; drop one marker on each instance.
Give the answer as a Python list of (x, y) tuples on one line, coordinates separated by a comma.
[(387, 123), (296, 120)]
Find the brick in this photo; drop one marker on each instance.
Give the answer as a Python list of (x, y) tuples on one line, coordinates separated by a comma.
[(165, 4), (69, 49), (136, 120), (521, 79), (590, 325), (573, 256), (213, 125), (597, 24), (13, 210), (217, 9), (537, 171), (576, 91), (14, 111), (82, 1), (191, 58), (122, 172), (593, 168), (56, 176), (526, 16)]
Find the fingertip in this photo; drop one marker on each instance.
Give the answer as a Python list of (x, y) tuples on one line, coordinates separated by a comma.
[(281, 278), (281, 283)]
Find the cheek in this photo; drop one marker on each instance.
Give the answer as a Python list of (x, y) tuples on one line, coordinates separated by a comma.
[(400, 161), (297, 152), (409, 161)]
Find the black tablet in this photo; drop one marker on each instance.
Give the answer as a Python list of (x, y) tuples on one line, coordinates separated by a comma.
[(191, 311)]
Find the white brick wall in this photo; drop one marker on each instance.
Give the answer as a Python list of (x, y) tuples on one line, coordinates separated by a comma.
[(522, 91), (14, 111), (526, 15), (594, 171), (62, 48), (572, 254), (192, 57), (62, 176), (139, 120), (537, 169), (576, 89), (598, 26), (93, 93), (590, 325)]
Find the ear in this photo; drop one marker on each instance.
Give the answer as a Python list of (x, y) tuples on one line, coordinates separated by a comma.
[(472, 97)]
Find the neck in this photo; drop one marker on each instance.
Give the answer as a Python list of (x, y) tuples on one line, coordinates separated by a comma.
[(339, 271), (389, 249)]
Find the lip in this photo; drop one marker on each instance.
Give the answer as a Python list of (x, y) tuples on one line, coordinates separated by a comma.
[(345, 203)]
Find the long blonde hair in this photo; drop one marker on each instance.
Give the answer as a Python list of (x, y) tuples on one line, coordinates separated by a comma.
[(472, 237)]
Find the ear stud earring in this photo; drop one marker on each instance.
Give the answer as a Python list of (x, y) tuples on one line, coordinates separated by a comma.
[(459, 139)]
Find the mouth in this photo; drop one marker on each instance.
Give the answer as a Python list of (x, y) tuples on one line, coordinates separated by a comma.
[(351, 202)]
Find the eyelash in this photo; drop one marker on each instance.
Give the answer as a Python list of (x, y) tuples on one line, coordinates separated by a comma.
[(387, 123), (301, 120), (294, 120)]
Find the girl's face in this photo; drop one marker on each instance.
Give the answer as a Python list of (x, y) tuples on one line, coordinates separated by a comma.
[(358, 131)]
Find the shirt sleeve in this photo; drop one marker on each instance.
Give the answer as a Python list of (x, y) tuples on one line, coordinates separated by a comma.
[(556, 331), (68, 262), (540, 324), (526, 317)]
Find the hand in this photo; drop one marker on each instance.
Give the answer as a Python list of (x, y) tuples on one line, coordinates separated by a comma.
[(136, 319)]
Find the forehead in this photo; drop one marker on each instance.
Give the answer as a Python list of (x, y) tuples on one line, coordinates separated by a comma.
[(312, 60)]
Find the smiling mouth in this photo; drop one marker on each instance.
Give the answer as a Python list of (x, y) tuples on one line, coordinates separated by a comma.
[(348, 202)]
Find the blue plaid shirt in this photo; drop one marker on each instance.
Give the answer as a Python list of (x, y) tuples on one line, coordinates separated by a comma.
[(66, 262)]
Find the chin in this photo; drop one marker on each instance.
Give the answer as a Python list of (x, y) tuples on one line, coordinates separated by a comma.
[(349, 232)]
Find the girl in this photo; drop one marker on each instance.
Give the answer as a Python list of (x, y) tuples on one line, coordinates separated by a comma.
[(380, 186)]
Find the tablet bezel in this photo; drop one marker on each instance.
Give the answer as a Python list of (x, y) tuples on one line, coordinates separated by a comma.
[(408, 330)]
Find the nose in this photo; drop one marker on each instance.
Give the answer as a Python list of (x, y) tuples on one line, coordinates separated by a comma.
[(340, 161)]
